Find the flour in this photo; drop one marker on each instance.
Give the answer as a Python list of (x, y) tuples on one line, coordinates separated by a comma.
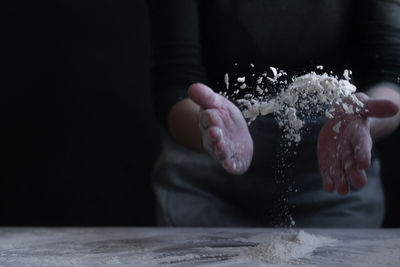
[(278, 248), (241, 79), (306, 96), (293, 103), (226, 80), (285, 247), (336, 127)]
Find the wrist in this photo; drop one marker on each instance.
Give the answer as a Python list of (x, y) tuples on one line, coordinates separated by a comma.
[(183, 124)]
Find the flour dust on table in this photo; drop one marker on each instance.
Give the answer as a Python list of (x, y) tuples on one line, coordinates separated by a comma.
[(178, 247)]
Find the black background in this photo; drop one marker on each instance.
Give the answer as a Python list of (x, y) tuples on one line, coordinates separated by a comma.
[(79, 136)]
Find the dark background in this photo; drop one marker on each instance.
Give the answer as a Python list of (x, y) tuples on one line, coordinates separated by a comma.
[(79, 136)]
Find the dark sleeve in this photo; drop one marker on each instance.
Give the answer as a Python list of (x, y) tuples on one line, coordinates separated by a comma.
[(176, 52), (377, 43)]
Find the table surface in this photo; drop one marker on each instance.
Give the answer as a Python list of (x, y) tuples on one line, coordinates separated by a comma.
[(21, 246)]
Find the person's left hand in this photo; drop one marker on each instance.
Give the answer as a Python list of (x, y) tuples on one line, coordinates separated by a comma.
[(345, 143)]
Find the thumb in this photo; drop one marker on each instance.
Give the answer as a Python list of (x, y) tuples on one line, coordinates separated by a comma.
[(379, 108), (203, 96)]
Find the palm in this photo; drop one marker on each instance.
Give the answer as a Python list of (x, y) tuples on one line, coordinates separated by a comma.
[(344, 153), (224, 130), (343, 156)]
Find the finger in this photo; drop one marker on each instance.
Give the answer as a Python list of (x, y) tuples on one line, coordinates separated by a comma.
[(358, 177), (203, 96), (335, 169), (204, 120), (235, 166), (362, 146), (379, 108), (215, 133), (339, 178), (343, 186), (327, 183), (230, 165), (209, 118), (221, 151), (348, 161), (353, 174), (214, 117)]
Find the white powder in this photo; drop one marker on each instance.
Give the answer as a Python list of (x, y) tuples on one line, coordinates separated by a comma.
[(336, 127), (309, 94), (307, 97), (241, 79), (346, 74), (226, 80), (284, 247), (347, 108)]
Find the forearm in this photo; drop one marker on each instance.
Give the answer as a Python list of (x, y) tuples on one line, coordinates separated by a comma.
[(382, 127), (183, 124)]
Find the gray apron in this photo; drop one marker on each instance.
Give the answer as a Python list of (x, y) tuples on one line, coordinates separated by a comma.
[(280, 187)]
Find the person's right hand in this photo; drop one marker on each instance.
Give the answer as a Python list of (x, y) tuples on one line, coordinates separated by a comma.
[(225, 134)]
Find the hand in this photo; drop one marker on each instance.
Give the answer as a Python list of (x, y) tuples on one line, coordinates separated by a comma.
[(345, 154), (225, 134)]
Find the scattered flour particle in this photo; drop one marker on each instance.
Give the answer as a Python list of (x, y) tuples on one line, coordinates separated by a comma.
[(348, 109), (337, 126), (328, 115), (356, 100), (226, 80), (346, 74), (294, 121), (252, 65), (240, 165), (241, 79), (347, 165), (297, 138), (259, 90), (243, 86), (274, 71), (319, 67)]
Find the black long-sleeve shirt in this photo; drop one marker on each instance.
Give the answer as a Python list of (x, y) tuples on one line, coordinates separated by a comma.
[(199, 41)]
